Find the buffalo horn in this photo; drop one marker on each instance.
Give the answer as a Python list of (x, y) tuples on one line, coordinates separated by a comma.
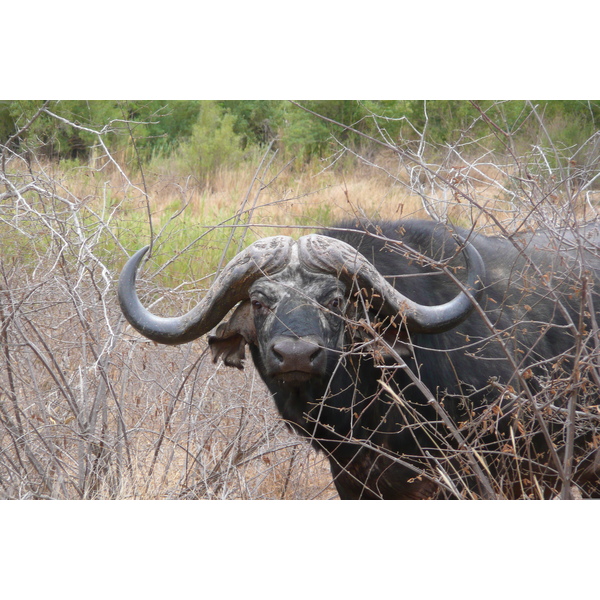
[(265, 257), (327, 255)]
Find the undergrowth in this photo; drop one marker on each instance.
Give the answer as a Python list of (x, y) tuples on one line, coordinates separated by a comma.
[(89, 409)]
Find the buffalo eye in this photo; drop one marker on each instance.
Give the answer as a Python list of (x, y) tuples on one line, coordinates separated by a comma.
[(335, 304), (259, 305)]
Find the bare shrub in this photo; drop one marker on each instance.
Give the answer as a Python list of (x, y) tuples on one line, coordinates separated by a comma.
[(89, 409), (540, 437)]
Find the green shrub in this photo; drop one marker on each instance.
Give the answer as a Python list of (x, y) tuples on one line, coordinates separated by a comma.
[(213, 144)]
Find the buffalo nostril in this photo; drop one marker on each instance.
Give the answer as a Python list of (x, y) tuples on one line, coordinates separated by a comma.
[(277, 354), (296, 354), (315, 354)]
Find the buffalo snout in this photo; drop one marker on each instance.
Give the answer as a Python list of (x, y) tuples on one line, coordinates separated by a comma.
[(294, 359)]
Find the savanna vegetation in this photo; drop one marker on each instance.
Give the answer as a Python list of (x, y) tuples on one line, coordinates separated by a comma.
[(88, 408)]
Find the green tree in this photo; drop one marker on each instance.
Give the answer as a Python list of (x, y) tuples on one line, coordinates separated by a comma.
[(212, 144)]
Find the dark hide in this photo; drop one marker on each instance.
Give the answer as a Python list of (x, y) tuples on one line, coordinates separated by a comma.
[(353, 398)]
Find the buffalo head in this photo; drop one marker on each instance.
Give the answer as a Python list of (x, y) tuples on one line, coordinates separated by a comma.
[(293, 298)]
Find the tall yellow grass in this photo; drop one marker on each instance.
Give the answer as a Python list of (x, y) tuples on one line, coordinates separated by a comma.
[(164, 422)]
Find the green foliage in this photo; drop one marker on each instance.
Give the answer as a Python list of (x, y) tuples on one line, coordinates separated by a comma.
[(7, 124), (54, 137), (257, 121), (307, 136), (449, 118), (204, 135), (165, 124), (212, 144)]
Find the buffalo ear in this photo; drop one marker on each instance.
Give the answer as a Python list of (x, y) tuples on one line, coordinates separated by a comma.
[(228, 341)]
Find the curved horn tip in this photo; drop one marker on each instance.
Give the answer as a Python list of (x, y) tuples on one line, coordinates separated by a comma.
[(126, 293), (130, 269), (140, 253)]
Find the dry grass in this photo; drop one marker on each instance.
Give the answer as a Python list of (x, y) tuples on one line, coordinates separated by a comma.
[(92, 410), (96, 411)]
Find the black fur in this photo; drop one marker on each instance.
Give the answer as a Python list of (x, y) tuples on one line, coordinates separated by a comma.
[(384, 444)]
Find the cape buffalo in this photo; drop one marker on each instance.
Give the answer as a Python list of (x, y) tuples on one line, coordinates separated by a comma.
[(425, 361)]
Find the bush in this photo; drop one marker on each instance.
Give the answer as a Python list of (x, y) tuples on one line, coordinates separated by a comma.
[(213, 144), (90, 409)]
